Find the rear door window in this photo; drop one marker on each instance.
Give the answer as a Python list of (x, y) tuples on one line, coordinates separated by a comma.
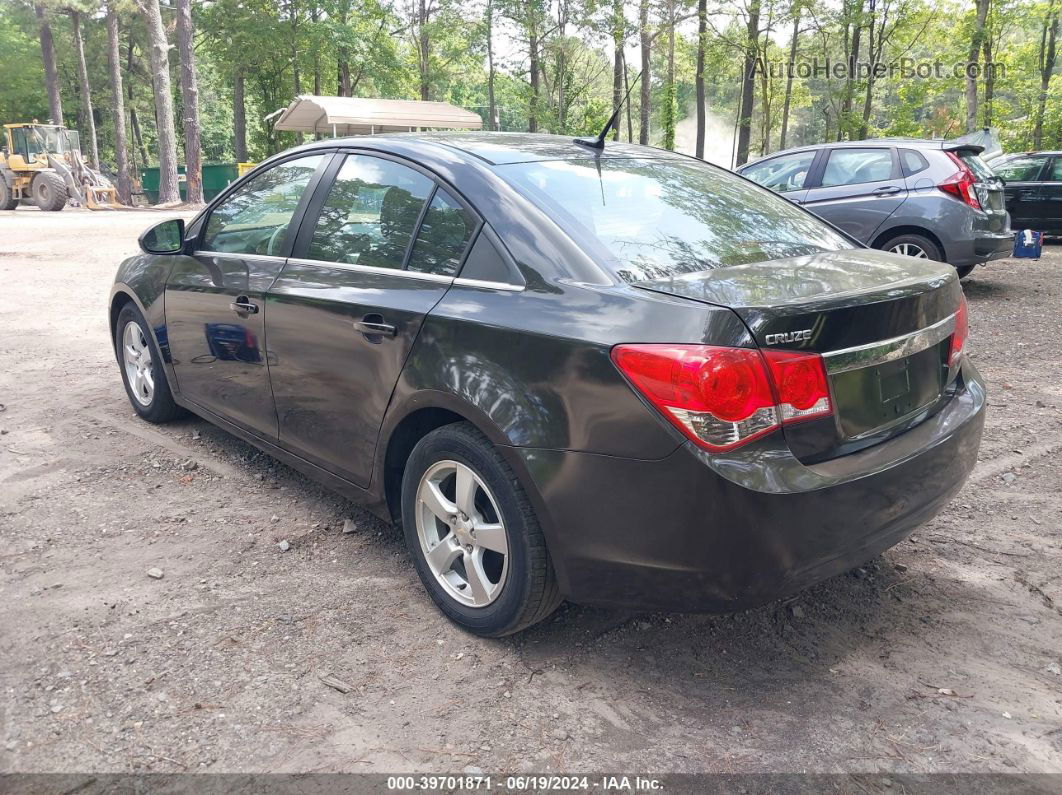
[(1055, 172), (370, 213), (782, 174), (443, 236), (855, 166), (1025, 168)]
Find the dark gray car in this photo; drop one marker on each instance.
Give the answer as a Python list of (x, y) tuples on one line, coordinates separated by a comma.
[(931, 199), (620, 376)]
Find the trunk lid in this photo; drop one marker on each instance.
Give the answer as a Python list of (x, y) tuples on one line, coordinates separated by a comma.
[(881, 321)]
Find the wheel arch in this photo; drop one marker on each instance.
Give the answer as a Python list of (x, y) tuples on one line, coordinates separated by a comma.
[(122, 294), (908, 229)]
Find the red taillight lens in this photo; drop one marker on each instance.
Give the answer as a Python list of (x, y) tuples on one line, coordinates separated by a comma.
[(722, 398), (958, 337), (962, 183), (800, 378)]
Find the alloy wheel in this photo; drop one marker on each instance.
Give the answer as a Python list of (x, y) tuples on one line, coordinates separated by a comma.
[(461, 533), (909, 250), (136, 353)]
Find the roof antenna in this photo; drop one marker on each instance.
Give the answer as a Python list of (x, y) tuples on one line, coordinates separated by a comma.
[(598, 142)]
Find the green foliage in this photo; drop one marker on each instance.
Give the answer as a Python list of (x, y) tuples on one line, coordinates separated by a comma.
[(287, 46)]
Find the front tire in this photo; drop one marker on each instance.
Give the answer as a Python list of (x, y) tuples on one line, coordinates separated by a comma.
[(141, 366), (473, 535), (914, 246), (49, 191)]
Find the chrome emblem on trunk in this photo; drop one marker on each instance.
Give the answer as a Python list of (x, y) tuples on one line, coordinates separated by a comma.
[(788, 336)]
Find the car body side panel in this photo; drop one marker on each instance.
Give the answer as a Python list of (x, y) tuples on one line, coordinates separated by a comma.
[(537, 362), (143, 279), (959, 229)]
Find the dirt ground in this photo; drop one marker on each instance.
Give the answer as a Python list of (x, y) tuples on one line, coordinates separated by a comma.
[(942, 655)]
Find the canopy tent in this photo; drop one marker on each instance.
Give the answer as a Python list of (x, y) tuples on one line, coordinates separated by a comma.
[(358, 116)]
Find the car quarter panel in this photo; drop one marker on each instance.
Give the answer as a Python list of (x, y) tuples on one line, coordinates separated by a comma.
[(142, 278)]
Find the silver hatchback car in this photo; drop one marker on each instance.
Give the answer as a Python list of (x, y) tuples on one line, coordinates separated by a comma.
[(930, 199)]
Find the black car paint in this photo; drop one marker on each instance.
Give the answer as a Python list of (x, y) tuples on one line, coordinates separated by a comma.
[(530, 367), (1036, 203)]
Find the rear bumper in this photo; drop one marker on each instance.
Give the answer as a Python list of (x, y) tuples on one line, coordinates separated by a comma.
[(694, 532), (987, 246)]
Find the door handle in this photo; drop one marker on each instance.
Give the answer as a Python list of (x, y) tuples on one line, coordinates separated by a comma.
[(243, 306), (886, 190), (374, 326), (1027, 193)]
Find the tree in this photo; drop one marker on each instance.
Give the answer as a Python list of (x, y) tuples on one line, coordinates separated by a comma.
[(1046, 63), (645, 39), (193, 157), (748, 81), (492, 110), (114, 70), (976, 44), (88, 120), (51, 72), (702, 47), (158, 50), (794, 39)]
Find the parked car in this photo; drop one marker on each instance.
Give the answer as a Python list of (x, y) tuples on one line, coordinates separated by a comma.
[(625, 377), (929, 199), (1033, 189)]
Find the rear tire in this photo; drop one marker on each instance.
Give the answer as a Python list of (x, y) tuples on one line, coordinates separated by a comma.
[(49, 191), (7, 196), (513, 589), (913, 246), (141, 367), (965, 271)]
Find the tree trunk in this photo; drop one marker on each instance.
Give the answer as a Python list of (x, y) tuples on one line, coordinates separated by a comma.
[(239, 117), (158, 49), (618, 31), (873, 55), (114, 68), (193, 155), (643, 90), (789, 80), (88, 121), (424, 49), (315, 14), (669, 87), (990, 83), (702, 46), (134, 120), (626, 92), (492, 110), (51, 73), (748, 83), (536, 87), (1046, 63), (976, 43), (853, 29)]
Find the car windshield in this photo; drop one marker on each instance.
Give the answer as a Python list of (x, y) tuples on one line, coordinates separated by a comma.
[(650, 219)]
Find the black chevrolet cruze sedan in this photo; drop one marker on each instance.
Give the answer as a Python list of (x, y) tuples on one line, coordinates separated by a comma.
[(618, 376)]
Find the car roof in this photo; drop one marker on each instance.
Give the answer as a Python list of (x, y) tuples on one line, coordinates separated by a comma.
[(499, 148), (909, 143)]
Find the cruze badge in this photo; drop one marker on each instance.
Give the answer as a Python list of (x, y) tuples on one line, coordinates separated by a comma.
[(788, 336)]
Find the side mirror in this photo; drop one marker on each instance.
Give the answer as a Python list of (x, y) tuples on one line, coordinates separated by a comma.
[(165, 237)]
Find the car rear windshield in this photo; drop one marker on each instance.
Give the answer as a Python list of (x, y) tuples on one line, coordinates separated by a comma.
[(978, 166), (650, 219)]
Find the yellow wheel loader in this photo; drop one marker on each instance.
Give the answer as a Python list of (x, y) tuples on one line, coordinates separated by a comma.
[(42, 164)]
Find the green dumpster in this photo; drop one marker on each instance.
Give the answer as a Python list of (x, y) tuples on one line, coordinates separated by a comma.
[(216, 177)]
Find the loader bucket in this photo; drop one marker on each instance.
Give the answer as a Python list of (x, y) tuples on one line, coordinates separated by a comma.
[(101, 198)]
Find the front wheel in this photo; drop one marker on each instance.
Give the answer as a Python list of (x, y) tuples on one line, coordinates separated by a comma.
[(8, 201), (473, 535), (49, 191), (142, 373)]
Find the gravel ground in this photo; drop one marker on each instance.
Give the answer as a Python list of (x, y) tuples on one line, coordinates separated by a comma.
[(942, 655)]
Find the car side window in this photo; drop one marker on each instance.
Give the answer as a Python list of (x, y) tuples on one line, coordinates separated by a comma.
[(370, 213), (853, 166), (255, 218), (1055, 174), (443, 236), (1020, 169), (782, 174), (912, 162)]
